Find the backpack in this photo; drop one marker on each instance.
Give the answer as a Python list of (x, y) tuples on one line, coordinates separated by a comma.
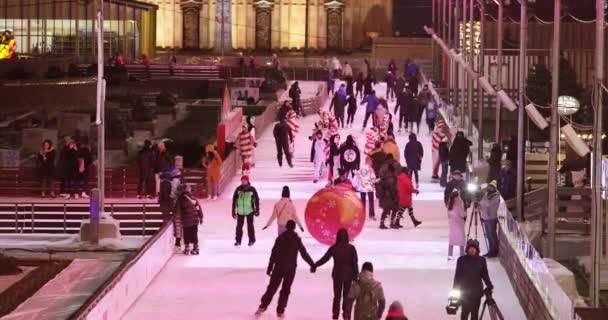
[(244, 203), (366, 306)]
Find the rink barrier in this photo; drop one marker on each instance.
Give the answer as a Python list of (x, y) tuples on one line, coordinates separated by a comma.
[(114, 298)]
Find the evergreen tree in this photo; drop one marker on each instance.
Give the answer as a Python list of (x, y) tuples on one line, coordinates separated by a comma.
[(538, 87)]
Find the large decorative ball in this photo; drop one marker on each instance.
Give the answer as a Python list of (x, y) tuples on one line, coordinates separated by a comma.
[(333, 208)]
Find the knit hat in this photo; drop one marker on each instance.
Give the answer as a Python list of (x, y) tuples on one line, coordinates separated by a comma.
[(395, 310), (493, 184), (285, 193), (245, 178), (290, 225), (367, 266)]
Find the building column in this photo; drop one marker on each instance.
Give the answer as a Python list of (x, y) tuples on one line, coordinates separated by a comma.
[(334, 10), (191, 10), (263, 24)]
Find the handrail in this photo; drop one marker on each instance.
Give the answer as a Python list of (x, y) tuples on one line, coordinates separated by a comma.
[(109, 284)]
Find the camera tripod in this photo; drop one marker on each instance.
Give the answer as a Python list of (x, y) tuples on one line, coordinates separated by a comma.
[(476, 221), (493, 310)]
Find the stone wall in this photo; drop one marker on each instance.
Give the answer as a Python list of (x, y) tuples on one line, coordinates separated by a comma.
[(529, 297)]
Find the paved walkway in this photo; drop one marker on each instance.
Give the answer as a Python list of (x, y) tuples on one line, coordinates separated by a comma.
[(225, 282)]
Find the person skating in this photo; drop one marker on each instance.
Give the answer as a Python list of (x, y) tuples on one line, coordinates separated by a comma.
[(46, 167), (245, 205), (413, 157), (282, 268), (350, 156), (284, 211), (351, 111), (388, 194), (444, 159), (343, 179), (461, 147), (294, 94), (212, 163), (389, 146), (396, 312), (191, 215), (405, 102), (359, 86), (406, 190), (371, 105), (167, 205), (456, 183), (318, 156), (456, 217), (391, 82), (367, 294), (247, 144), (333, 156), (345, 270), (366, 186), (471, 271), (283, 137), (488, 205), (338, 103)]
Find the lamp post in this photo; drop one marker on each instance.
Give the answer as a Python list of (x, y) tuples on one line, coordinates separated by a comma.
[(100, 123), (520, 111), (471, 57), (554, 138), (481, 70), (499, 35), (596, 208)]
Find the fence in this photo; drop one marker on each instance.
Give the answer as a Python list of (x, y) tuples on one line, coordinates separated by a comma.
[(136, 218)]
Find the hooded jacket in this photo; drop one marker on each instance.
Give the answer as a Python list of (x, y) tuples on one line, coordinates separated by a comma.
[(367, 278), (413, 153), (346, 266), (366, 179), (245, 209), (283, 134), (350, 151), (461, 147), (284, 256), (188, 211), (371, 102), (470, 272), (386, 189)]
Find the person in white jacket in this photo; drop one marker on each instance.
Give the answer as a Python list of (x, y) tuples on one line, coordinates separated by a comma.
[(284, 210), (456, 217), (365, 183), (318, 156)]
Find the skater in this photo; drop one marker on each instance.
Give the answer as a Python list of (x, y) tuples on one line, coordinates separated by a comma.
[(365, 182), (494, 162), (333, 156), (212, 163), (359, 86), (283, 137), (317, 155), (395, 312), (372, 103), (351, 111), (431, 116), (167, 205), (444, 158), (343, 179), (85, 161), (162, 162), (456, 217), (390, 147), (245, 205), (191, 215), (392, 66), (391, 82), (284, 211), (400, 85), (368, 86), (338, 103), (405, 102), (489, 204), (413, 157), (282, 268), (247, 144), (388, 194), (406, 189), (46, 167), (471, 270), (250, 122), (439, 133), (295, 94), (72, 170), (331, 82), (350, 86), (367, 294), (344, 272), (459, 152), (350, 156), (347, 72)]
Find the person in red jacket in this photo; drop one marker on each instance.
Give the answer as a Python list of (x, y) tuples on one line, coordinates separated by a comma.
[(406, 189)]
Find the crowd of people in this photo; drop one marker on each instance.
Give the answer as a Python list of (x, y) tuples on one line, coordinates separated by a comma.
[(8, 45)]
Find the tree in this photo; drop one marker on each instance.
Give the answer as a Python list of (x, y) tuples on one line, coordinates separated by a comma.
[(538, 87)]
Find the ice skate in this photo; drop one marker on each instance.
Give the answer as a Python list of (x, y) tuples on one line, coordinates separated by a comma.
[(259, 312), (237, 244), (281, 315), (251, 243), (187, 250), (194, 250), (177, 249)]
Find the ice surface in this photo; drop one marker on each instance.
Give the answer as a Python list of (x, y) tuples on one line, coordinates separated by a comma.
[(225, 282)]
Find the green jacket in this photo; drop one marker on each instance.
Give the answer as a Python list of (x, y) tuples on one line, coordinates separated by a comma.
[(245, 201)]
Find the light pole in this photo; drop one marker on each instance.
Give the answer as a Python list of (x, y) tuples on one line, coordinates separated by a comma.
[(499, 35), (596, 209), (471, 57), (434, 24), (554, 138), (520, 111), (481, 71), (464, 77), (100, 123), (223, 17)]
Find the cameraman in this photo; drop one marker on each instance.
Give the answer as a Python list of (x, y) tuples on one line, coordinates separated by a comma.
[(471, 269), (457, 183), (489, 217)]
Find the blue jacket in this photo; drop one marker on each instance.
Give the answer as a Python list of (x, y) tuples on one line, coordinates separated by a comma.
[(372, 103)]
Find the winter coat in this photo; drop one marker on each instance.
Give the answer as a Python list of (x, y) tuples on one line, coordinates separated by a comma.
[(284, 256), (390, 80), (352, 104), (85, 155), (214, 167), (456, 219), (406, 188), (400, 85), (391, 147), (413, 154), (470, 272), (246, 143), (461, 147), (489, 205), (284, 210), (241, 194), (378, 157), (372, 103), (162, 161), (338, 102), (188, 209), (366, 179), (283, 135), (71, 163), (455, 185), (366, 278), (387, 191), (346, 265), (406, 102), (317, 151), (444, 152), (350, 157), (145, 162), (165, 200), (507, 184), (46, 162)]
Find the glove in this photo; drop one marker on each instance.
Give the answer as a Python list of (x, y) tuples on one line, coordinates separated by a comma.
[(302, 229), (266, 227), (313, 269), (269, 272), (233, 215), (257, 213)]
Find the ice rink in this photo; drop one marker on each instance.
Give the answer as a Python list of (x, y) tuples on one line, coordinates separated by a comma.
[(226, 282)]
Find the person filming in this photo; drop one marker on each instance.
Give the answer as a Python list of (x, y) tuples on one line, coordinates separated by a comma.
[(471, 270), (489, 216)]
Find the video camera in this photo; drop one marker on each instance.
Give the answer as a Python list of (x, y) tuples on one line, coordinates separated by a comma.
[(453, 302)]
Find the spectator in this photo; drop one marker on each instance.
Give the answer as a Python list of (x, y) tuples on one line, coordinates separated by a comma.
[(431, 116), (367, 295), (456, 217), (507, 181), (347, 71), (72, 171), (284, 211), (167, 205), (145, 166), (512, 151), (456, 183), (46, 166), (85, 161), (191, 215), (489, 214), (345, 270), (282, 268), (245, 205), (471, 270), (494, 162)]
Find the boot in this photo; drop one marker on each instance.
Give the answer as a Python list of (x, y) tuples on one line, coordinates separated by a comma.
[(194, 250), (415, 221), (259, 311), (186, 249), (382, 226)]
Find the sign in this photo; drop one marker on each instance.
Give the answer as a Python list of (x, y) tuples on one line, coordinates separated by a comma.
[(567, 105)]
